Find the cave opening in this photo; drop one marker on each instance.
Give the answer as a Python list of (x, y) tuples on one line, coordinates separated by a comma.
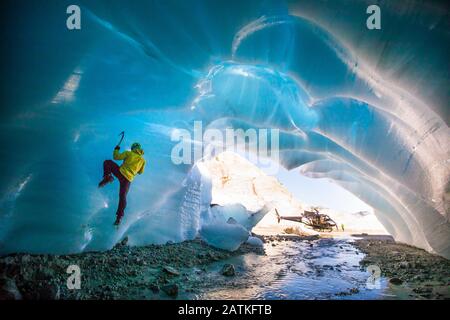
[(237, 178)]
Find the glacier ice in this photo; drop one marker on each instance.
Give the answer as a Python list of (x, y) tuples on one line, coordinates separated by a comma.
[(227, 236), (255, 242), (150, 68)]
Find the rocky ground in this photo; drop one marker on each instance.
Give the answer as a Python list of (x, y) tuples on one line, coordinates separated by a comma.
[(411, 271), (125, 272), (181, 270)]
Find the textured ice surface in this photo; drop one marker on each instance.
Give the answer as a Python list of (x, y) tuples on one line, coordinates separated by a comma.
[(254, 241), (224, 235), (151, 67)]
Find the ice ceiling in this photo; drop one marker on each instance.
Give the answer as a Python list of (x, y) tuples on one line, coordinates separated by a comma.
[(149, 67)]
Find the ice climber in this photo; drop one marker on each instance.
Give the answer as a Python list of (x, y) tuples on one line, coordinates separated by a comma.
[(133, 164)]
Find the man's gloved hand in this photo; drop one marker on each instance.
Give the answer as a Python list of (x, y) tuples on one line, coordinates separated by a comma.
[(117, 148)]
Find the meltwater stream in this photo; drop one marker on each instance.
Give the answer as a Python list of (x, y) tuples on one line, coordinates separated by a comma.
[(319, 269)]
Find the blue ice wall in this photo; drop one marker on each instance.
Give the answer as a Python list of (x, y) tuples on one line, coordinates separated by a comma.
[(150, 67)]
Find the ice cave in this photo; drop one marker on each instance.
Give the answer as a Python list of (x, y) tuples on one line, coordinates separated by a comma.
[(375, 124)]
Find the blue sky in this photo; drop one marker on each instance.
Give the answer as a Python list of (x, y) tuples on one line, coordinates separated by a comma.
[(320, 192)]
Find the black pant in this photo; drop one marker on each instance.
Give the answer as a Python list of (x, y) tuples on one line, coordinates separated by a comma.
[(110, 167)]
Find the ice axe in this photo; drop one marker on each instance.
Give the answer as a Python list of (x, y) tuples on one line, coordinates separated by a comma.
[(121, 134)]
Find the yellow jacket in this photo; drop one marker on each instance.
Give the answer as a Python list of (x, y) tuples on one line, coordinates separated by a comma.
[(133, 162)]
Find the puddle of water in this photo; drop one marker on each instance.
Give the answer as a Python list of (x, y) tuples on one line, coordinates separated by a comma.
[(320, 269)]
